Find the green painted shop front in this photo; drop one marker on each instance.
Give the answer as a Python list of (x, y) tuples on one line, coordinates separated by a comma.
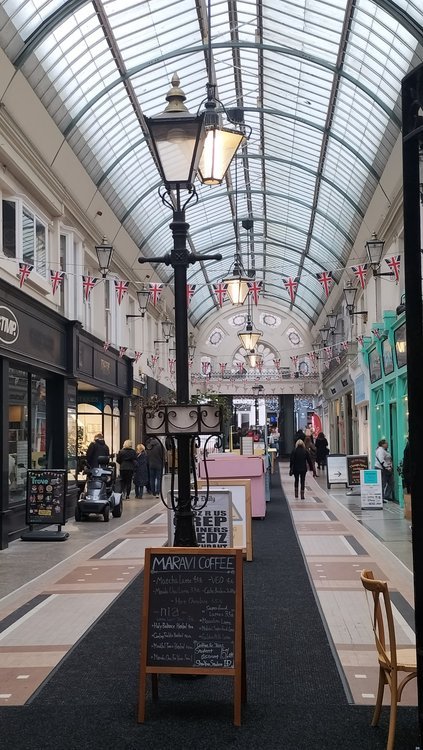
[(386, 355)]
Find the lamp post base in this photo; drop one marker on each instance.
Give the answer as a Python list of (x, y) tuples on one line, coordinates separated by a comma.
[(185, 535)]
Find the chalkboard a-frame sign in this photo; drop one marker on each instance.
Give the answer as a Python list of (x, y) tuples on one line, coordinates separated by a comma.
[(192, 618)]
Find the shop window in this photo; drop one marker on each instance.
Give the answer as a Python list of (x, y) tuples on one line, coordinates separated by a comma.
[(18, 434), (72, 444), (9, 228), (89, 424), (38, 422), (108, 428), (116, 429)]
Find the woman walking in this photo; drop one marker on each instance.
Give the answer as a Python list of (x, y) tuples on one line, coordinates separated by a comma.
[(126, 459), (299, 463), (322, 450), (141, 471)]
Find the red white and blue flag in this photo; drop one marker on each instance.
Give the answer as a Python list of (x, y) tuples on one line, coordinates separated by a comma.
[(23, 273), (137, 356), (190, 291), (361, 273), (377, 332), (325, 279), (155, 292), (291, 284), (121, 288), (56, 278), (122, 351), (254, 289), (277, 363), (106, 345), (240, 366), (344, 346), (88, 284), (222, 367), (394, 265), (220, 292), (294, 361), (360, 340), (172, 363), (328, 351)]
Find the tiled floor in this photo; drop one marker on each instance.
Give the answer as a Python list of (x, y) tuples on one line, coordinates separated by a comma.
[(338, 540), (51, 593)]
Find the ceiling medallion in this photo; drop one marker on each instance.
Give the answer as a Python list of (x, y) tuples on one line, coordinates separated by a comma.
[(294, 337), (215, 337), (270, 320), (238, 320)]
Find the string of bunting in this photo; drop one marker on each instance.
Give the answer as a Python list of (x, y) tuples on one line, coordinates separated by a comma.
[(256, 288)]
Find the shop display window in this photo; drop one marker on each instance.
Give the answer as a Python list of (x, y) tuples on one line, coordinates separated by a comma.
[(375, 366), (388, 360), (18, 434), (38, 422), (401, 346)]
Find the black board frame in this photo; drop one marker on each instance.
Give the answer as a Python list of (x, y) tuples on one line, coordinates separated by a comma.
[(237, 671)]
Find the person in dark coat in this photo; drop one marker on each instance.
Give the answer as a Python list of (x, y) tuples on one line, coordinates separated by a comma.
[(95, 449), (299, 462), (321, 450), (141, 471), (299, 435), (155, 457), (126, 458)]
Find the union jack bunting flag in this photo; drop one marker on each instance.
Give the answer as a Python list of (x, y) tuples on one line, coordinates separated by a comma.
[(220, 293), (328, 351), (394, 265), (222, 368), (240, 366), (325, 279), (277, 363), (361, 273), (88, 284), (106, 345), (122, 351), (137, 356), (205, 368), (23, 273), (313, 357), (254, 289), (294, 360), (121, 287), (190, 292), (291, 284), (344, 346), (171, 363), (190, 361), (56, 278), (376, 332), (360, 340), (338, 359), (153, 361), (155, 292)]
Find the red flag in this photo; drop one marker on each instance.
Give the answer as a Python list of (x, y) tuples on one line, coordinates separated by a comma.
[(361, 273), (254, 289), (137, 356), (88, 283), (106, 345), (220, 292), (394, 266), (23, 273), (56, 278), (155, 292), (325, 279), (291, 284), (122, 350), (121, 287), (190, 292)]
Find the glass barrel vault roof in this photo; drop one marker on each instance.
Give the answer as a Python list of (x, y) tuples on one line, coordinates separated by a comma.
[(318, 81)]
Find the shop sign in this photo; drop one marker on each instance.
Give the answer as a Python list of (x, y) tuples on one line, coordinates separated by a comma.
[(9, 326), (371, 488)]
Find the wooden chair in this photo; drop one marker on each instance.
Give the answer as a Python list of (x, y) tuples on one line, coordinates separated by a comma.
[(392, 660)]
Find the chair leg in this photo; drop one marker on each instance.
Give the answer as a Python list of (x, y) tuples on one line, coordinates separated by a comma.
[(378, 706), (393, 715)]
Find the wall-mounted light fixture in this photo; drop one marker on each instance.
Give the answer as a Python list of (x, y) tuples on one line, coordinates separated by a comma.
[(167, 328), (331, 319), (350, 293), (324, 334), (143, 295), (104, 256), (191, 345), (374, 250)]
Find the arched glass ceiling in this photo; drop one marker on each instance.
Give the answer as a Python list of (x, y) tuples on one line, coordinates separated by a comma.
[(319, 81)]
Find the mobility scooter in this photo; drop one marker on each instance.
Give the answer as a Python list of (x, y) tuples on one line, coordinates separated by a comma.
[(101, 494)]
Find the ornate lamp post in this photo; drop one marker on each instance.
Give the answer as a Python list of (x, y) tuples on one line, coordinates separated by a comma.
[(177, 139)]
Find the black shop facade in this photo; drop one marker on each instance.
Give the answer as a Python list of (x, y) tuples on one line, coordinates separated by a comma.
[(58, 388)]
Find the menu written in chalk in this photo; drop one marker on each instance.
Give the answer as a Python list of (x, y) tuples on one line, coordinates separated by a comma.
[(192, 610)]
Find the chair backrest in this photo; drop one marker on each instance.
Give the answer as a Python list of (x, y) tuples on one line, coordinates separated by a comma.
[(383, 621)]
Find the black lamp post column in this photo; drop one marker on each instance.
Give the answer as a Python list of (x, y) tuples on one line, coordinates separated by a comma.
[(180, 258)]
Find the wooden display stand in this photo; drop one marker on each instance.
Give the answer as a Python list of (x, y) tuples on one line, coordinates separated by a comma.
[(195, 625), (241, 516), (407, 506)]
